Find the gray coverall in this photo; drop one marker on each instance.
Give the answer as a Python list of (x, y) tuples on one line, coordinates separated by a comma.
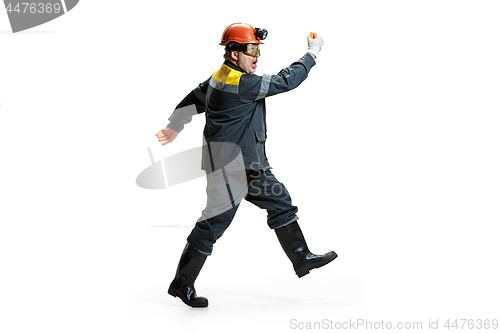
[(234, 105)]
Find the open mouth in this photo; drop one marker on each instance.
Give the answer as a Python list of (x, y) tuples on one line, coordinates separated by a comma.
[(254, 64)]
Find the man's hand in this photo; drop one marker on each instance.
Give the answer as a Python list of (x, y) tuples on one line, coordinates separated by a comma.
[(314, 44), (166, 135)]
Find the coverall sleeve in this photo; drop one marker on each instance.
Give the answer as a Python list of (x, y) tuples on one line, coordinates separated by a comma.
[(192, 104), (255, 87)]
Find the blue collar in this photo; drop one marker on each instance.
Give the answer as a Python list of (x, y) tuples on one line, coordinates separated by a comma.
[(233, 66)]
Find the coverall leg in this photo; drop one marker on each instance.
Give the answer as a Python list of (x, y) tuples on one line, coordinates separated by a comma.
[(224, 195)]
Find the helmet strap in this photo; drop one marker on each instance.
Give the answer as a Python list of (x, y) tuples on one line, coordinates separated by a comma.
[(236, 47)]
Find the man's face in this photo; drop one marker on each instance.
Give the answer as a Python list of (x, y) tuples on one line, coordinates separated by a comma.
[(247, 62)]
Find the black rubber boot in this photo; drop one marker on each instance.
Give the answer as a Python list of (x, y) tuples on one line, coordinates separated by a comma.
[(293, 242), (188, 269)]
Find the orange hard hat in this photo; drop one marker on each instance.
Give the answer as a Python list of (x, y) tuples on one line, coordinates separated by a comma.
[(243, 33)]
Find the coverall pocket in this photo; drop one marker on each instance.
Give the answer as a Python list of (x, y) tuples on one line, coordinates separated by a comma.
[(260, 136)]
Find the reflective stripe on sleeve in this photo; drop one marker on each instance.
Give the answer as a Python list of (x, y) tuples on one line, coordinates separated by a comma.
[(264, 86), (183, 115)]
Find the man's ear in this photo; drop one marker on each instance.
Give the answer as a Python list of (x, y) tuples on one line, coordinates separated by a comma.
[(234, 55)]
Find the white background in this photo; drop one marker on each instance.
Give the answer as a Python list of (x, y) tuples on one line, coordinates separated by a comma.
[(390, 149)]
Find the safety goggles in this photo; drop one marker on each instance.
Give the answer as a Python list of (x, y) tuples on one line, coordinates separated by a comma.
[(252, 50)]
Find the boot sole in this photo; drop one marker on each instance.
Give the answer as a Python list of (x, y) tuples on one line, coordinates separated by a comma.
[(306, 271), (174, 293)]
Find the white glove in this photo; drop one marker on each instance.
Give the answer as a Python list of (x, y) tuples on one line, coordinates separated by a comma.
[(314, 44)]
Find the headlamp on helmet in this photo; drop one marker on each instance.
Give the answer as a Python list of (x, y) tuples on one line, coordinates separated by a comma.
[(260, 33)]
